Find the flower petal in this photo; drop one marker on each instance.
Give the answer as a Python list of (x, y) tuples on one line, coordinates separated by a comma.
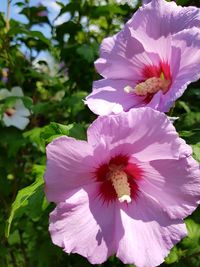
[(15, 120), (17, 91), (174, 184), (4, 93), (188, 42), (109, 97), (83, 224), (149, 235), (21, 110), (118, 59), (161, 18), (144, 133), (69, 166), (115, 55)]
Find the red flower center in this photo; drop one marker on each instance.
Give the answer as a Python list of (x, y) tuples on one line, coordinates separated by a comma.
[(10, 111), (119, 179), (155, 78)]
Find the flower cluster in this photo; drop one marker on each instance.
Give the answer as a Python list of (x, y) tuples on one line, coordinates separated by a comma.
[(127, 189)]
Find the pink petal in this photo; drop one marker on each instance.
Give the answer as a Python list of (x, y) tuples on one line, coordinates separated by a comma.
[(166, 101), (163, 18), (149, 234), (118, 59), (174, 184), (144, 133), (109, 97), (188, 42), (83, 224), (69, 166)]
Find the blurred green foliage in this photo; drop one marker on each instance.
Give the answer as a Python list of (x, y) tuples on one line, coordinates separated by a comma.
[(54, 94)]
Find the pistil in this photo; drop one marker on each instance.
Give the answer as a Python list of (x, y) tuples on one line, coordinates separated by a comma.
[(152, 86), (10, 111), (120, 183)]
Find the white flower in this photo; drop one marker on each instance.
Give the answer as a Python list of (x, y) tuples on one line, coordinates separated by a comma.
[(131, 3), (16, 115)]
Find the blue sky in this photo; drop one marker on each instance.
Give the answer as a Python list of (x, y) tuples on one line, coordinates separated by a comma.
[(51, 5), (53, 9)]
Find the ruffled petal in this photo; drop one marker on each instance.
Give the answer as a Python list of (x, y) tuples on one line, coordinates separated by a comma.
[(109, 96), (149, 235), (143, 133), (162, 18), (188, 42), (84, 224), (123, 57), (175, 184), (115, 55), (69, 166)]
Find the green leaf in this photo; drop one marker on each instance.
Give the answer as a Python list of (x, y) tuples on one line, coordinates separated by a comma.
[(28, 102), (191, 243), (75, 102), (189, 121), (34, 34), (87, 52), (193, 237), (106, 10), (34, 136), (11, 140), (23, 196), (78, 131), (54, 130), (184, 106), (196, 151), (173, 256), (192, 138)]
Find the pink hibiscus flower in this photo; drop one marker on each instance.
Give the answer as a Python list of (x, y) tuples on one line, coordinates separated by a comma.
[(150, 62), (124, 191)]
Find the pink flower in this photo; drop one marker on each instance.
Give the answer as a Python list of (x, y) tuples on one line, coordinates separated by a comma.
[(150, 62), (125, 190)]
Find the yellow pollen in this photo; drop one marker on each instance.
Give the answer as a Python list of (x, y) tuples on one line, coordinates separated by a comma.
[(152, 86), (120, 183)]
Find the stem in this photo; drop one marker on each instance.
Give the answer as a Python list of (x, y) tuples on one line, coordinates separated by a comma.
[(8, 15)]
